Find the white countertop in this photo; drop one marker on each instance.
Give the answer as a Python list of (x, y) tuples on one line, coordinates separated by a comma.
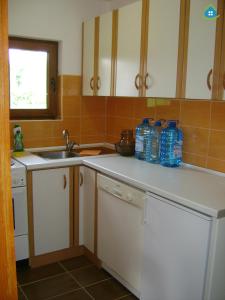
[(189, 186), (193, 188)]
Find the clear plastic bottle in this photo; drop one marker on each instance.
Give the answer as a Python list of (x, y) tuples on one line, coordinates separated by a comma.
[(171, 145), (152, 143), (140, 141)]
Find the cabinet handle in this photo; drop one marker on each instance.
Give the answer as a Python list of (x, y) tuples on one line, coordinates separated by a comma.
[(98, 83), (147, 86), (65, 182), (138, 81), (81, 179), (92, 83), (209, 79), (224, 81)]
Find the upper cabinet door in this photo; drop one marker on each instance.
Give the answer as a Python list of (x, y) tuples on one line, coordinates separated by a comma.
[(88, 57), (162, 54), (105, 55), (128, 51), (201, 48)]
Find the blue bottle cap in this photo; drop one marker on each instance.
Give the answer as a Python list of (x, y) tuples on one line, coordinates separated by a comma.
[(172, 123), (145, 121), (158, 123)]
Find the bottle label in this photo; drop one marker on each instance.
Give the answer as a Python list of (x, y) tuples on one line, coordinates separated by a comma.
[(139, 145), (178, 149)]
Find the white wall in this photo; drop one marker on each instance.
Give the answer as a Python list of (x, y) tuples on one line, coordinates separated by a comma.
[(59, 20)]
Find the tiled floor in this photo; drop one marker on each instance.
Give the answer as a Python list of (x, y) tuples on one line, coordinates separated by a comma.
[(73, 279)]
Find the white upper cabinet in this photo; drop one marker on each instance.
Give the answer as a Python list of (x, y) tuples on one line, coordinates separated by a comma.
[(201, 46), (162, 54), (88, 57), (105, 55), (129, 49)]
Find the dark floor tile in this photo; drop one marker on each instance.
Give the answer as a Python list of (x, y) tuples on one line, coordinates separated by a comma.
[(107, 290), (76, 263), (50, 287), (90, 275), (20, 295), (26, 275), (76, 295)]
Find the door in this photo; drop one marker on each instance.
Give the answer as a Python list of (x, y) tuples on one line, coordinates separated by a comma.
[(87, 207), (51, 210), (105, 54), (128, 80), (162, 54), (88, 57), (8, 284), (176, 243), (201, 48)]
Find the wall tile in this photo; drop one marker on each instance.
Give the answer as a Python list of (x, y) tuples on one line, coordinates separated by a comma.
[(93, 126), (217, 144), (167, 109), (195, 140), (195, 113), (143, 108), (216, 164), (71, 106), (218, 115), (93, 106), (193, 159), (71, 85)]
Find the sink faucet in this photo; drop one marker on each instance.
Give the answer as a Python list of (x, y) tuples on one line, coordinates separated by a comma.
[(69, 144)]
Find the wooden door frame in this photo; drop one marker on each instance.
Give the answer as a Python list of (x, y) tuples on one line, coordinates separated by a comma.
[(8, 285)]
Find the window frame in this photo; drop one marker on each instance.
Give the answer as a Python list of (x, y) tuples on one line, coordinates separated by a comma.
[(51, 47)]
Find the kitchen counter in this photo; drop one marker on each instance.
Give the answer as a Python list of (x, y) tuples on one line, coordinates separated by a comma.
[(189, 186)]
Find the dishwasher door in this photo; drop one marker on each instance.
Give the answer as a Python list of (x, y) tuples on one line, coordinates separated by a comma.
[(120, 230)]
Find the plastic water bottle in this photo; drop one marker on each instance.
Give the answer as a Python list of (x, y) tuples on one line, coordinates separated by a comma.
[(171, 145), (140, 142), (152, 143)]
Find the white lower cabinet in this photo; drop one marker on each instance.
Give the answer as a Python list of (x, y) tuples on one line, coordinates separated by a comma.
[(51, 210), (87, 194)]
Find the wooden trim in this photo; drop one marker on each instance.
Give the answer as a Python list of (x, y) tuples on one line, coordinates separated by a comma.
[(115, 16), (8, 284), (82, 59), (71, 205), (76, 205), (219, 58), (51, 48), (30, 212), (96, 217), (183, 48), (96, 55), (144, 44), (56, 256), (92, 257)]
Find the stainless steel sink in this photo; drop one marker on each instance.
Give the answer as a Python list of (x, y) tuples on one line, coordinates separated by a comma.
[(57, 154)]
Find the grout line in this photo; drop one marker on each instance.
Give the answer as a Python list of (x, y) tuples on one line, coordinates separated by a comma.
[(25, 296), (42, 279), (63, 294), (71, 275), (209, 135), (97, 282)]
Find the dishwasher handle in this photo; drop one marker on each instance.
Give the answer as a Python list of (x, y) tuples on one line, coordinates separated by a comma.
[(118, 194)]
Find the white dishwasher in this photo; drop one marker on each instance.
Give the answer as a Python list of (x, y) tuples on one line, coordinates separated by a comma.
[(120, 230)]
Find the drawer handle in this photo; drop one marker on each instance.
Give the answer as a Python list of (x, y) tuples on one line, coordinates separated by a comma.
[(209, 80), (65, 182), (81, 179), (98, 83), (224, 81), (13, 205)]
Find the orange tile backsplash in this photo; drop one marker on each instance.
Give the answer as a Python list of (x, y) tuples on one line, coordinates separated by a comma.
[(101, 119)]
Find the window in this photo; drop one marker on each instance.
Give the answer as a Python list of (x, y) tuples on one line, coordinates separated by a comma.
[(33, 78)]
